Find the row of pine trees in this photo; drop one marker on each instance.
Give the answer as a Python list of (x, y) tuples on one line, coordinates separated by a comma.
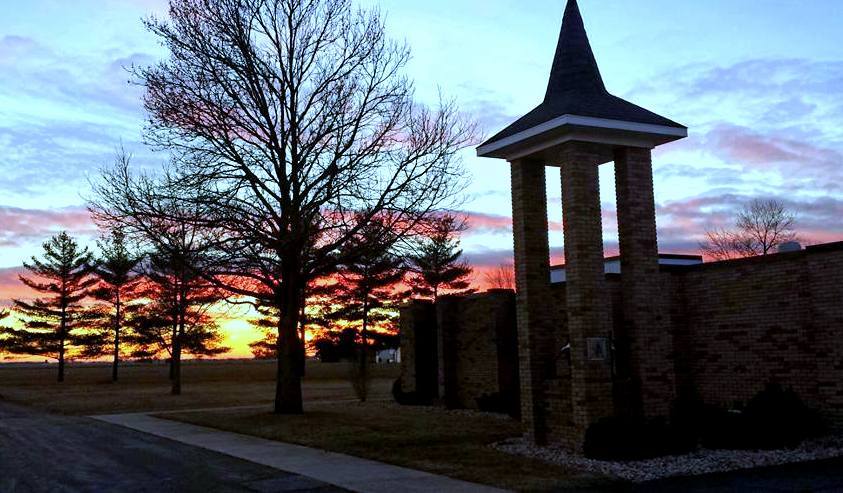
[(156, 304), (146, 305)]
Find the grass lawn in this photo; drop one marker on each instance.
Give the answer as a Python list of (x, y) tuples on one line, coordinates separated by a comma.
[(451, 443), (145, 387)]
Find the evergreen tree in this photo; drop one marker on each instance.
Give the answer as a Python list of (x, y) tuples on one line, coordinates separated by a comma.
[(364, 293), (3, 329), (435, 261), (53, 324), (117, 290), (267, 324), (176, 320)]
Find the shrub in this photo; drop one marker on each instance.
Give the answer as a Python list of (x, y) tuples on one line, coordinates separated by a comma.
[(773, 418), (407, 398), (360, 378), (634, 438), (499, 403), (777, 418)]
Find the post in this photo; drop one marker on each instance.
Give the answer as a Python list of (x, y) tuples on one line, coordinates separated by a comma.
[(645, 330), (587, 299), (532, 279)]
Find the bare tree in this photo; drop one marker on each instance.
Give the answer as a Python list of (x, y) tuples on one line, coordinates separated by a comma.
[(501, 277), (760, 228), (291, 117)]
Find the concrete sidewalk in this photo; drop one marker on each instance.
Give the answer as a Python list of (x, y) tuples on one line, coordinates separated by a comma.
[(352, 473)]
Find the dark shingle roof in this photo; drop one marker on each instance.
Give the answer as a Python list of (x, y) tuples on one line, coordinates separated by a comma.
[(576, 87)]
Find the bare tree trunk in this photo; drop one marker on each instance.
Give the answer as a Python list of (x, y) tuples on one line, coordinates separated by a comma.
[(62, 330), (288, 396), (302, 331), (116, 340), (364, 353), (177, 342), (173, 337)]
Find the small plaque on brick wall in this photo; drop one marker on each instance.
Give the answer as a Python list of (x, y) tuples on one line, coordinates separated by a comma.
[(598, 348)]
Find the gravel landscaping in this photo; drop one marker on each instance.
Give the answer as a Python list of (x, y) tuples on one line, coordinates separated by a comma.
[(700, 462)]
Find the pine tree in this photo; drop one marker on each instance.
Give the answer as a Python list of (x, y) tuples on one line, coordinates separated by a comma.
[(53, 324), (117, 290), (267, 325), (4, 314), (176, 320), (435, 261), (365, 292)]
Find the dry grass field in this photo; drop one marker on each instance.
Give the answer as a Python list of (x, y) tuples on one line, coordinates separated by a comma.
[(145, 386)]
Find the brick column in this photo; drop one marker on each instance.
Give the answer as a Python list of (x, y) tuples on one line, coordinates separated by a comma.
[(532, 274), (645, 333), (587, 299), (448, 324)]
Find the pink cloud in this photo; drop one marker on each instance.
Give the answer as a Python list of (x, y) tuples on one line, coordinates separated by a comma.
[(748, 147), (18, 225), (11, 287)]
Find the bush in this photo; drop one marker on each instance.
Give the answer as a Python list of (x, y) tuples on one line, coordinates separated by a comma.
[(499, 403), (773, 418), (634, 438), (360, 378), (407, 398)]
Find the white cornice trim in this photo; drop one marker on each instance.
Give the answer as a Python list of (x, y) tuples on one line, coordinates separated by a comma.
[(582, 121)]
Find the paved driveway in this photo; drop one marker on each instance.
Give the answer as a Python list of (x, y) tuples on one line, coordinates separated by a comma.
[(42, 452)]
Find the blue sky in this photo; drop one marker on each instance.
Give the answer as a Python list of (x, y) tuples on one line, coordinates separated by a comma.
[(757, 81)]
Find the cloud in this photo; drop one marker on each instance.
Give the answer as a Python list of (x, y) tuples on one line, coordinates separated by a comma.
[(743, 145), (20, 226), (480, 223), (683, 223), (11, 287)]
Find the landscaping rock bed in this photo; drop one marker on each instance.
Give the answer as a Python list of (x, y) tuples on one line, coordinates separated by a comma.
[(696, 463)]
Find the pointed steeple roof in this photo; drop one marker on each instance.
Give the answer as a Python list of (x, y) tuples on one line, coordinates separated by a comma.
[(577, 97), (574, 67)]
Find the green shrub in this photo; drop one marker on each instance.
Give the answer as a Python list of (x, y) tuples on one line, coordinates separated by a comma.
[(634, 438), (773, 418), (499, 403), (407, 398)]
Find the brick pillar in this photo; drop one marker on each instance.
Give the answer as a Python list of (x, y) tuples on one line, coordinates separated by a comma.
[(645, 333), (587, 299), (419, 358), (448, 324), (532, 274)]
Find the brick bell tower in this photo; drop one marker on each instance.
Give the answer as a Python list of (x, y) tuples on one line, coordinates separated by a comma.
[(578, 127)]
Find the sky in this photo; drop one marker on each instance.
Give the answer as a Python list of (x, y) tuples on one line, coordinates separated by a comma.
[(759, 83)]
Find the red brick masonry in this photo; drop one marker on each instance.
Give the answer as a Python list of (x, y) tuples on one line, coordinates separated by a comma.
[(734, 327)]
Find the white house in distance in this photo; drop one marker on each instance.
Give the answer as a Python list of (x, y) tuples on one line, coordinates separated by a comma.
[(613, 265), (389, 355)]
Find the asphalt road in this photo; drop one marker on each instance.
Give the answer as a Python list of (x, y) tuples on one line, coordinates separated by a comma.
[(43, 452)]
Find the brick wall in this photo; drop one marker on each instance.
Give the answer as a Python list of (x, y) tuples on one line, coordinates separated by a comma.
[(479, 347), (742, 324), (419, 354), (735, 326)]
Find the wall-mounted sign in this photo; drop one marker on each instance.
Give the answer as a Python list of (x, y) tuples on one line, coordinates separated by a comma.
[(597, 348)]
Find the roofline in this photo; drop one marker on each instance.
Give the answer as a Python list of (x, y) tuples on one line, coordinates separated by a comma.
[(665, 256), (488, 148)]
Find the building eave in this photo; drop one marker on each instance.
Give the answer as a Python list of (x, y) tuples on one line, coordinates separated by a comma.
[(583, 128)]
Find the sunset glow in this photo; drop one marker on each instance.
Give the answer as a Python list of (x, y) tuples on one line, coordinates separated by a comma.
[(765, 112)]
